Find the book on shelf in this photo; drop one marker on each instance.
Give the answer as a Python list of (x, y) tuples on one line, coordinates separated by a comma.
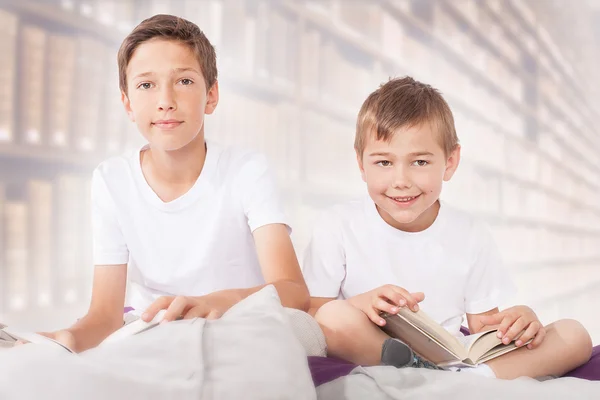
[(31, 76), (8, 49), (90, 75), (16, 261), (41, 274), (68, 257), (60, 86), (3, 274)]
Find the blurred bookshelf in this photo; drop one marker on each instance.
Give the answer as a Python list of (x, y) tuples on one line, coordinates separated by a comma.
[(293, 75)]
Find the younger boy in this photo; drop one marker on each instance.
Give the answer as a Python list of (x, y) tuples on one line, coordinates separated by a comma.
[(194, 227), (401, 244)]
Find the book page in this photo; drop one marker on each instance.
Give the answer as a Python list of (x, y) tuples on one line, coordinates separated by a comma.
[(421, 320), (420, 341), (135, 327), (33, 338)]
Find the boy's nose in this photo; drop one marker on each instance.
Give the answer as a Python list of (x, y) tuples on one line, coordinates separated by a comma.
[(166, 101), (401, 179)]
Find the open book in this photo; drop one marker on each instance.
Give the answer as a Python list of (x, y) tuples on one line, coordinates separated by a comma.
[(432, 342), (9, 336)]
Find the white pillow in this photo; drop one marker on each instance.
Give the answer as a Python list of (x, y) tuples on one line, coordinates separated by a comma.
[(251, 352)]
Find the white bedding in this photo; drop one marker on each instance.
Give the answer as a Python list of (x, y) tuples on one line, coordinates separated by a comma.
[(238, 356), (375, 383)]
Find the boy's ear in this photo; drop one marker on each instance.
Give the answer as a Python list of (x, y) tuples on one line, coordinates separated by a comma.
[(360, 166), (452, 163), (127, 105), (212, 99)]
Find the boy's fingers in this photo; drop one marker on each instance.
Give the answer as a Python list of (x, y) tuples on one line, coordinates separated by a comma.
[(529, 333), (214, 314), (382, 305), (159, 304), (418, 296), (516, 328), (375, 317), (493, 319), (386, 292), (503, 324), (176, 308), (506, 323), (538, 339), (410, 301)]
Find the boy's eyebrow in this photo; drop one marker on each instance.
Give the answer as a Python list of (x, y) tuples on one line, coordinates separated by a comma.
[(421, 153), (186, 69), (176, 70), (143, 74), (415, 154)]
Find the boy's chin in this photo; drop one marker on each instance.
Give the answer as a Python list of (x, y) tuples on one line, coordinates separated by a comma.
[(168, 146)]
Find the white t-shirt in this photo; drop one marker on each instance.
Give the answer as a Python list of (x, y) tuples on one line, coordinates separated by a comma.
[(196, 244), (454, 262)]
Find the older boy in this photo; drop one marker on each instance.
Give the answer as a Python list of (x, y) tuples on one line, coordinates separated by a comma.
[(194, 227)]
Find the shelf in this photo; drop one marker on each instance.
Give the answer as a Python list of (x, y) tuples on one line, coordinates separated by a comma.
[(573, 83), (375, 53), (457, 101), (570, 294), (555, 194), (481, 37), (539, 265), (509, 32), (533, 223), (61, 17), (488, 83), (45, 155)]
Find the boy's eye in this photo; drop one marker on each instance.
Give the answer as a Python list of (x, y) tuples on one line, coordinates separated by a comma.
[(384, 163), (144, 85), (186, 81), (421, 163)]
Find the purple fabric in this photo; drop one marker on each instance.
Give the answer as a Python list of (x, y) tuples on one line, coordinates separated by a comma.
[(589, 370), (326, 369)]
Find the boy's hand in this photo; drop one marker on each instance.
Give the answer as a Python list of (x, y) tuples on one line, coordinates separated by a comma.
[(387, 298), (513, 321), (63, 337), (211, 306)]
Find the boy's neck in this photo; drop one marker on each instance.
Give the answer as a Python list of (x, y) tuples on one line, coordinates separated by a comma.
[(178, 169), (423, 222)]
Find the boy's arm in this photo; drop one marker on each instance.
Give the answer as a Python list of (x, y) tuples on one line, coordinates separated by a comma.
[(279, 266), (105, 314)]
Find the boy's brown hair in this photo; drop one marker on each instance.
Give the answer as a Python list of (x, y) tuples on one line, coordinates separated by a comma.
[(400, 103), (169, 27)]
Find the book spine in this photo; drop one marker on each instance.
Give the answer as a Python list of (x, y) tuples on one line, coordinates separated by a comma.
[(8, 49)]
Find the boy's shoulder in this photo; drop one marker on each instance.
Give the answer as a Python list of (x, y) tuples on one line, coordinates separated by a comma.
[(349, 215), (459, 219), (116, 166), (235, 156)]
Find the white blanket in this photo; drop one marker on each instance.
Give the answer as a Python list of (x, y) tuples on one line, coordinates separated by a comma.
[(375, 383), (250, 353)]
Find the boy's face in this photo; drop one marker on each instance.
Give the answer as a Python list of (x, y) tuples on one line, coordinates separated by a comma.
[(166, 94), (404, 177)]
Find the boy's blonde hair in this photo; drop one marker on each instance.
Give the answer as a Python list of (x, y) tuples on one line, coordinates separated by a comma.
[(169, 27), (401, 103)]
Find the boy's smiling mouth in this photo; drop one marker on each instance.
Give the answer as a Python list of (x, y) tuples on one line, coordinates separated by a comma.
[(404, 200)]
